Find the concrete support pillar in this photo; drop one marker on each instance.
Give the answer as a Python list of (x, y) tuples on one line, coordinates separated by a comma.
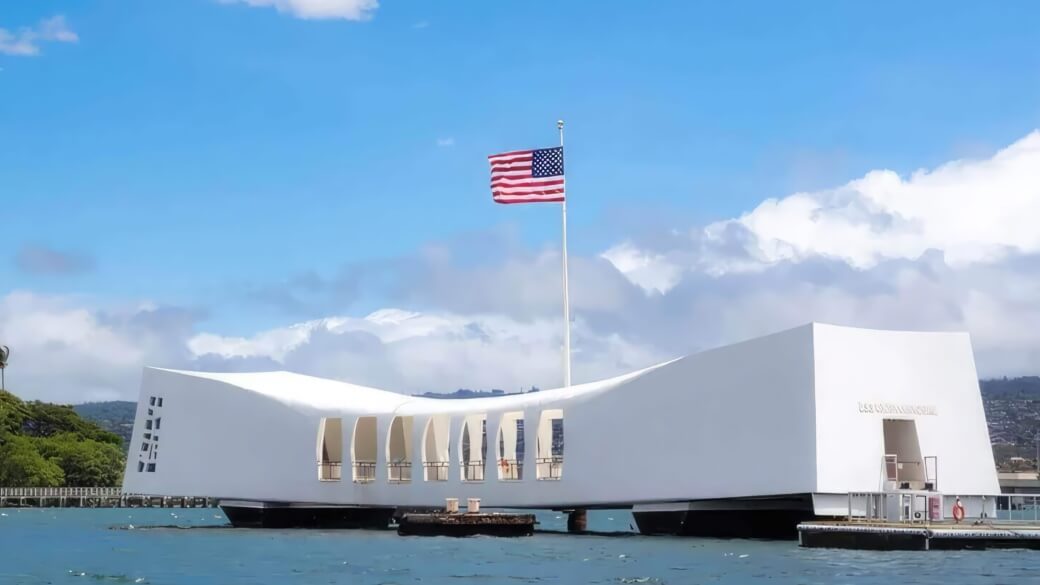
[(577, 520)]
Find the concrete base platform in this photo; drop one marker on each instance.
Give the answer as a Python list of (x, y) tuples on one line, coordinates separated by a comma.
[(243, 514), (774, 517), (903, 537), (443, 524)]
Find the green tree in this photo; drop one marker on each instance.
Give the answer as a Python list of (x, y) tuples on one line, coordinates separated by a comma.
[(85, 462), (22, 465)]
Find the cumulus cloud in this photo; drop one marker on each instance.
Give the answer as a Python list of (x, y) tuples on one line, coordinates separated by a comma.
[(972, 210), (43, 260), (66, 350), (415, 352), (953, 248), (26, 41), (447, 141), (318, 9)]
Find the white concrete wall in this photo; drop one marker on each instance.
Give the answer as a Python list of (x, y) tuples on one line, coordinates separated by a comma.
[(927, 377), (743, 420)]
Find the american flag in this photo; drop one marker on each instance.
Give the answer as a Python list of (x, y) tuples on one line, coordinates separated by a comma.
[(527, 176)]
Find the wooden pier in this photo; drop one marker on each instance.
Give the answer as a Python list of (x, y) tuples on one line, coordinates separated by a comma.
[(94, 497)]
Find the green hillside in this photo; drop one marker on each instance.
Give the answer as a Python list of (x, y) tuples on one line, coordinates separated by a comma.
[(49, 445), (116, 416)]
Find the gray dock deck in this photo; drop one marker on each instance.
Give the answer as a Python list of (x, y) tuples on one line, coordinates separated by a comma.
[(935, 536)]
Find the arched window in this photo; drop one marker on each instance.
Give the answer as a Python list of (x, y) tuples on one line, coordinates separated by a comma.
[(510, 447), (473, 447), (549, 460), (399, 450), (435, 448), (364, 450), (330, 449)]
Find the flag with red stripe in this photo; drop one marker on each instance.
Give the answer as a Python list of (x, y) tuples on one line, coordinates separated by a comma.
[(527, 176)]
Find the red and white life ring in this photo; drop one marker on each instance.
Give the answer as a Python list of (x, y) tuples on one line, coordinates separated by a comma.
[(958, 511)]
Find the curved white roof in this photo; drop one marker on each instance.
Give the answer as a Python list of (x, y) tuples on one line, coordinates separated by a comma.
[(292, 388)]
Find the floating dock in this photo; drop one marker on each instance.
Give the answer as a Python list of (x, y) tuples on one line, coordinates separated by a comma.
[(899, 536), (466, 524)]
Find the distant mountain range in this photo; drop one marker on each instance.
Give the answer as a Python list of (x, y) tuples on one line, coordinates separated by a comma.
[(116, 416)]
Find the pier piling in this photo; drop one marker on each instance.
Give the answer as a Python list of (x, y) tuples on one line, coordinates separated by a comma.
[(577, 520)]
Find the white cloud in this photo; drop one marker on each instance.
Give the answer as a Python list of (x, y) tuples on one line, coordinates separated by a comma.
[(415, 352), (972, 210), (65, 350), (447, 141), (651, 272), (954, 248), (26, 41), (319, 9)]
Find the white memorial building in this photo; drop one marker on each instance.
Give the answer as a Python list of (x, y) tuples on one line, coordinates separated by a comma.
[(747, 439)]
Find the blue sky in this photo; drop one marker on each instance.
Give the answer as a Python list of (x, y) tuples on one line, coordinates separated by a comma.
[(188, 153)]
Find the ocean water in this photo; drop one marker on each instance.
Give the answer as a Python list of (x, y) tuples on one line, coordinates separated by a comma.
[(176, 546)]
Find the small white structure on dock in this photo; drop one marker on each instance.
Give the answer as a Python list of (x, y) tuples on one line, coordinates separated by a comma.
[(742, 439)]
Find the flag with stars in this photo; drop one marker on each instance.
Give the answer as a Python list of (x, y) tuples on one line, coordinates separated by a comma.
[(527, 176)]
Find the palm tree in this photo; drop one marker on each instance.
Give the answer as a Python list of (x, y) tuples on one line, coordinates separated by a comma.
[(5, 352)]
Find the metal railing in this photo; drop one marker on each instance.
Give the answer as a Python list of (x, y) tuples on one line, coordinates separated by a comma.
[(930, 507), (399, 472), (510, 469), (549, 467), (330, 470), (61, 492), (473, 471), (436, 470), (364, 471)]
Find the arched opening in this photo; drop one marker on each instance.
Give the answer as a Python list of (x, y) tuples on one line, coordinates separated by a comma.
[(510, 447), (549, 460), (435, 448), (330, 449), (473, 447), (364, 449), (399, 450)]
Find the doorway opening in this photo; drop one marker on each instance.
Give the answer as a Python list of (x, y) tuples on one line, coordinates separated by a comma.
[(473, 447), (399, 450), (364, 450), (330, 449), (436, 448), (549, 461), (511, 447), (904, 465)]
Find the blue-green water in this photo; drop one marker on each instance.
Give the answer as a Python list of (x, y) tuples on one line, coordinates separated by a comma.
[(98, 546)]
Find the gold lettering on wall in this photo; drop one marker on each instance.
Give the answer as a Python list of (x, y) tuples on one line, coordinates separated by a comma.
[(893, 408)]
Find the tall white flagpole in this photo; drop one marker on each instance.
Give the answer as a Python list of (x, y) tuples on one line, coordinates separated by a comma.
[(566, 288)]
